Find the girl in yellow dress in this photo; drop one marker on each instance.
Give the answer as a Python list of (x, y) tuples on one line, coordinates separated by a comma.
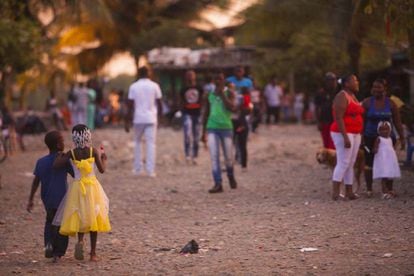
[(85, 207)]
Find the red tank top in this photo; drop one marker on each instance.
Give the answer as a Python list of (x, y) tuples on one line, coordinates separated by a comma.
[(353, 119)]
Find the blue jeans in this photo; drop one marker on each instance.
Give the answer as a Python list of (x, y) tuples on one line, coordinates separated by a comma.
[(215, 138), (191, 127)]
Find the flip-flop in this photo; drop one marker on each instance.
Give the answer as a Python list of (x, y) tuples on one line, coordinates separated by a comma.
[(79, 251)]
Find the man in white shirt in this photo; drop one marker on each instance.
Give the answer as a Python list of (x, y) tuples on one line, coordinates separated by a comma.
[(273, 94), (144, 105)]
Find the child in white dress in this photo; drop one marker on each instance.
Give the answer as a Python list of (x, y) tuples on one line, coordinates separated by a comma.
[(386, 165)]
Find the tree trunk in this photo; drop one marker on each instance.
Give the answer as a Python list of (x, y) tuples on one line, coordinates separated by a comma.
[(410, 32), (136, 59), (2, 88), (5, 86), (354, 53)]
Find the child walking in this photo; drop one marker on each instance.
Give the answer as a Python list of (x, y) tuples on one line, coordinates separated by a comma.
[(53, 188), (86, 207), (385, 165)]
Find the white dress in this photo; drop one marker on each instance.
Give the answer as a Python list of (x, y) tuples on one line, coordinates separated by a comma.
[(385, 160)]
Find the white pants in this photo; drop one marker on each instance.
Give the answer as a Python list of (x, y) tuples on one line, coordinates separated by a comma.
[(149, 131), (345, 157)]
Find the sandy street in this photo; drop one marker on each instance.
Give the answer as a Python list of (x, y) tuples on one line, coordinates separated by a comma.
[(282, 205)]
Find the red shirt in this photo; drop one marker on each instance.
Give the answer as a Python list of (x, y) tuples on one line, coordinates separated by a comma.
[(353, 119)]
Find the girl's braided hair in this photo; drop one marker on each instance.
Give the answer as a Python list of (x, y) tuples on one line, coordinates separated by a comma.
[(81, 136)]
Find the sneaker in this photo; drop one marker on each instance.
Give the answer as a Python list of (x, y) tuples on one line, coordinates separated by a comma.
[(79, 251), (216, 189), (232, 182), (49, 251)]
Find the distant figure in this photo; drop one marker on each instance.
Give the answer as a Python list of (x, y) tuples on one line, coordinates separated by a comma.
[(287, 102), (209, 85), (8, 128), (81, 105), (386, 165), (72, 99), (298, 106), (91, 107), (144, 97), (218, 131), (258, 107), (191, 99), (323, 108), (240, 80), (53, 184), (55, 113), (273, 94), (242, 85), (241, 127)]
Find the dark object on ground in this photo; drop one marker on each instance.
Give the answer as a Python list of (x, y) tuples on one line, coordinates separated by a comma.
[(191, 247)]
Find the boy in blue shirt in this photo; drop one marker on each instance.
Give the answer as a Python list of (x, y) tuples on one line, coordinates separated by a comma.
[(53, 188)]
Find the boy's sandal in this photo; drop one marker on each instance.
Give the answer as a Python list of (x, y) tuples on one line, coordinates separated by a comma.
[(79, 251)]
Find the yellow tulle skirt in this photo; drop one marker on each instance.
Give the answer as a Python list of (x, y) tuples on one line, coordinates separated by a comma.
[(86, 208)]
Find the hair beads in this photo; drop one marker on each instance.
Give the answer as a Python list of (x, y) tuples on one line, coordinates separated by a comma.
[(82, 138)]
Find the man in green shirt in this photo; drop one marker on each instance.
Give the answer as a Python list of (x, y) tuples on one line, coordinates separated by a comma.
[(218, 130)]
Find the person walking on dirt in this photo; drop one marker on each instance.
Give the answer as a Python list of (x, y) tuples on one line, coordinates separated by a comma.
[(191, 100), (53, 182), (218, 131), (144, 97), (243, 86), (85, 208)]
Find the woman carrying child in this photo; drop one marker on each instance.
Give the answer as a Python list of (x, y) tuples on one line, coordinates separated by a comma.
[(85, 208)]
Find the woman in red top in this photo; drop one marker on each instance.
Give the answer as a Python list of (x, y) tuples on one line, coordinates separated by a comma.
[(346, 132)]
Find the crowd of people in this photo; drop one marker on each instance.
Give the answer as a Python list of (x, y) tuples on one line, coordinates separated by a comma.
[(220, 113)]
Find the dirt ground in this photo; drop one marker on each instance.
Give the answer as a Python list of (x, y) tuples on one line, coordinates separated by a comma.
[(282, 205)]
